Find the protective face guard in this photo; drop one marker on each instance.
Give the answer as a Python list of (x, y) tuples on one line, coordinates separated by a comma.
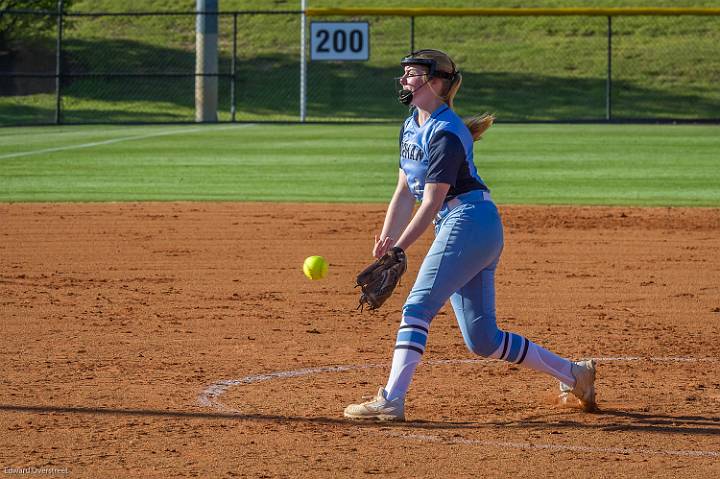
[(405, 96)]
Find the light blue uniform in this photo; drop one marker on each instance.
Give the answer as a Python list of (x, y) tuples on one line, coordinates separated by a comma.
[(461, 262), (440, 151)]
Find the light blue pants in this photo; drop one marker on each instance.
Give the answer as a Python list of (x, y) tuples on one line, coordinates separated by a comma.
[(460, 266)]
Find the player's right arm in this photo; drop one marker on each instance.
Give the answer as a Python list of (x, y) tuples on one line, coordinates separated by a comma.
[(397, 217)]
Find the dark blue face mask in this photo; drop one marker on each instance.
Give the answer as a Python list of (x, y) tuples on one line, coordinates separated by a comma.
[(405, 97)]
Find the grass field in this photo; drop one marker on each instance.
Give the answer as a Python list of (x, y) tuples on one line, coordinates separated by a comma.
[(520, 68), (523, 164)]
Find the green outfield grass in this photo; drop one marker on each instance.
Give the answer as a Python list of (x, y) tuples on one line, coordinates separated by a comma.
[(544, 68), (523, 164)]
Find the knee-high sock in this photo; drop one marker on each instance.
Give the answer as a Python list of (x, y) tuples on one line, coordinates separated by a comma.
[(409, 348), (520, 350)]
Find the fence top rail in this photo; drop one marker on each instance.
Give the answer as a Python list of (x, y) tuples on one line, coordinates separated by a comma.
[(405, 12), (509, 12)]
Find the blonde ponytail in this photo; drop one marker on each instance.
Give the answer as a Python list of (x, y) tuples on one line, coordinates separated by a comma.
[(478, 124)]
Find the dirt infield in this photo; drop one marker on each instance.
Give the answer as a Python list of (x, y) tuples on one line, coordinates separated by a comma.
[(181, 339)]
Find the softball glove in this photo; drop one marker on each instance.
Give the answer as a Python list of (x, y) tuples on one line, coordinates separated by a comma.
[(379, 280)]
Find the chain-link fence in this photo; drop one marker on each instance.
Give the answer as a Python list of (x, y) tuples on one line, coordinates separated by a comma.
[(124, 67)]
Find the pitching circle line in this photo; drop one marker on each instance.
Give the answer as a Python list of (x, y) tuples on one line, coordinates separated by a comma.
[(210, 397)]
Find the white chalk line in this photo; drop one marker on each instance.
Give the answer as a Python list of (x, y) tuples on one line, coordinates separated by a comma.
[(209, 397), (125, 138)]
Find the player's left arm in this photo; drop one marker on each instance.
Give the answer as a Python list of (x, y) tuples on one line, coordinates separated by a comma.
[(398, 216)]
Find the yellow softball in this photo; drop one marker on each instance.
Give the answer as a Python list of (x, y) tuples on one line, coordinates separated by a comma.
[(315, 267)]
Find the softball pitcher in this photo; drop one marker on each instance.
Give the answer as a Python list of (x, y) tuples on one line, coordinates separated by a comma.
[(437, 168)]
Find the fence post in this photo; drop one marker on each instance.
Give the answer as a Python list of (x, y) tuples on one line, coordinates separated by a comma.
[(206, 61), (412, 34), (303, 64), (608, 81), (58, 63), (233, 68)]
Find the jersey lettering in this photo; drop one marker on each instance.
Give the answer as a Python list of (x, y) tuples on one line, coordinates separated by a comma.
[(411, 152)]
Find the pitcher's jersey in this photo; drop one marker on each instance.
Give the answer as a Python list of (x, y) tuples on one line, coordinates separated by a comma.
[(440, 151)]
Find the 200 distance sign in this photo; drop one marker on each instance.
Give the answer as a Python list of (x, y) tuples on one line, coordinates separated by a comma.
[(339, 41)]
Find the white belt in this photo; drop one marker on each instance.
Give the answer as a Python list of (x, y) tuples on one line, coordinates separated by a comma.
[(458, 200), (469, 197)]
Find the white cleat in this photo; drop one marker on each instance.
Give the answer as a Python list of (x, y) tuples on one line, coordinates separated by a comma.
[(378, 408), (584, 390)]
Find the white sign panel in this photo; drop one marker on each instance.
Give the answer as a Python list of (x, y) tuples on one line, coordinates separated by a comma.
[(339, 41)]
